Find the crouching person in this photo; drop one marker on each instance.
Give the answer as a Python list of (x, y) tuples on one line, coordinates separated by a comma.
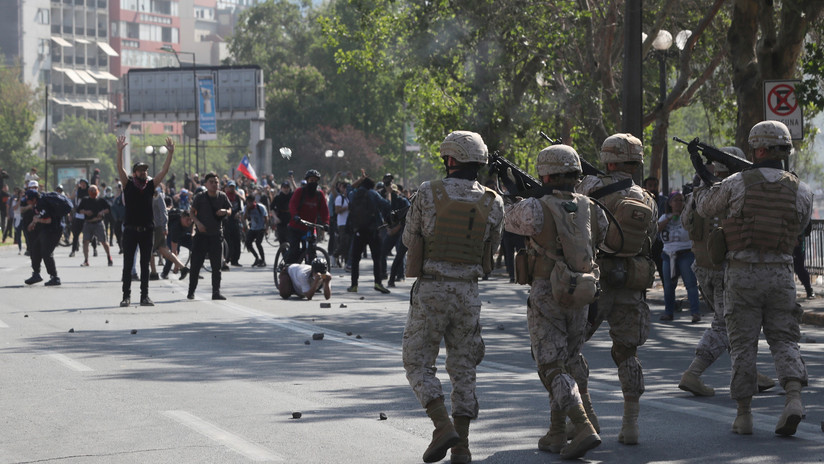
[(304, 280)]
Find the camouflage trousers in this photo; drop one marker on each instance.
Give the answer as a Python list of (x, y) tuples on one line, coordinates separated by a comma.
[(557, 335), (627, 313), (715, 341), (448, 311), (760, 296)]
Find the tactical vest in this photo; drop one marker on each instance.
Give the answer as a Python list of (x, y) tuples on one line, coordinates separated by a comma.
[(699, 229), (459, 227), (769, 219), (569, 221)]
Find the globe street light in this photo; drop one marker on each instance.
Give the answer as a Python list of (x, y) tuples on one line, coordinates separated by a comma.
[(661, 50), (150, 150)]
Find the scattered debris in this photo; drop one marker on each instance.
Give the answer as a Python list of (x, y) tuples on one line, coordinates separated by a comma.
[(107, 321), (134, 331), (810, 340), (71, 331), (382, 416), (25, 315), (343, 305), (361, 298), (500, 327), (326, 305), (349, 333), (307, 342), (317, 336), (358, 336), (296, 415)]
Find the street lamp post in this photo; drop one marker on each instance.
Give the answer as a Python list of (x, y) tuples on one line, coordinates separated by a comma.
[(661, 50), (333, 154), (196, 107), (150, 150)]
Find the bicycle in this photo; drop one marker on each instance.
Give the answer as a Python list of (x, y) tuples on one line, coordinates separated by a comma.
[(309, 249)]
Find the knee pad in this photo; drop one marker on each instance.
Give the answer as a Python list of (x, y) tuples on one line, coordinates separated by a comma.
[(621, 353)]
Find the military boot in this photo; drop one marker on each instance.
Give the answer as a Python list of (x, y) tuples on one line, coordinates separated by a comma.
[(460, 452), (693, 384), (764, 382), (793, 410), (556, 438), (593, 419), (629, 427), (444, 436), (586, 437), (743, 421)]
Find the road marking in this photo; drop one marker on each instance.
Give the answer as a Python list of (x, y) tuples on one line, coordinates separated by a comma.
[(70, 363), (3, 325), (226, 438)]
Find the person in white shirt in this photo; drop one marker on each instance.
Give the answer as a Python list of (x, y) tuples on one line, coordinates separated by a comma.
[(304, 280), (677, 259)]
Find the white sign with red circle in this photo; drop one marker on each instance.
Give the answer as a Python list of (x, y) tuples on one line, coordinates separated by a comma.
[(780, 104)]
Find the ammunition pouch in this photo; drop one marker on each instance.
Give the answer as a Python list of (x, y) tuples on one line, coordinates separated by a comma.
[(414, 258), (634, 273), (523, 267), (717, 246), (487, 261), (573, 289)]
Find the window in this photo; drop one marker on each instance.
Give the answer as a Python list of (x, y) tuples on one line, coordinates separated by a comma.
[(168, 128), (132, 31), (43, 16)]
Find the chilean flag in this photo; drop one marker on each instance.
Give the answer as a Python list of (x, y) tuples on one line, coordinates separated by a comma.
[(245, 167)]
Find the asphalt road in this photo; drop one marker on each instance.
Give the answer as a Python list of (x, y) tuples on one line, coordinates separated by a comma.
[(85, 381)]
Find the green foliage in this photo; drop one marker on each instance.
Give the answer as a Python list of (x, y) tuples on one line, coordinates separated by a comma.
[(74, 138), (18, 115)]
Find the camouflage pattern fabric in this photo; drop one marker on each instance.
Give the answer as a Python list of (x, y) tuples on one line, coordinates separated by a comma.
[(420, 222), (760, 296), (715, 341), (557, 335), (625, 310), (448, 311)]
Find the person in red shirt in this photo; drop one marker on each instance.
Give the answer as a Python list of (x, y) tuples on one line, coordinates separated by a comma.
[(309, 204)]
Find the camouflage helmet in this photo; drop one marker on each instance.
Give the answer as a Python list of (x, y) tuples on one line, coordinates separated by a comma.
[(768, 134), (558, 159), (465, 147), (622, 148), (734, 151)]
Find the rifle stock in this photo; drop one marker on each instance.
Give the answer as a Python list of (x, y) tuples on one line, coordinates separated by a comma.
[(734, 163)]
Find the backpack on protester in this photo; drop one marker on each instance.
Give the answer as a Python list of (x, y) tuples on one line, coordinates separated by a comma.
[(363, 214), (58, 204)]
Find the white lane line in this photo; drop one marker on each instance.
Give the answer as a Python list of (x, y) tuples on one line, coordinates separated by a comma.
[(70, 363), (3, 325), (603, 383), (226, 438)]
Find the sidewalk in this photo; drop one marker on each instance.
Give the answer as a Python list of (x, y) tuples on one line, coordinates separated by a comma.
[(813, 308)]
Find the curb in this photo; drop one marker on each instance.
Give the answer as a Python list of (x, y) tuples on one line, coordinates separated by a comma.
[(813, 318)]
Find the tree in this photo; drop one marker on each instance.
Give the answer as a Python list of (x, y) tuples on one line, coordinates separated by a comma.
[(18, 115), (75, 137), (765, 41)]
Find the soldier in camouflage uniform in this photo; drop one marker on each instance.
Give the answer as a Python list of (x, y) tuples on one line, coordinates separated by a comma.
[(766, 209), (564, 228), (710, 277), (626, 273), (452, 228)]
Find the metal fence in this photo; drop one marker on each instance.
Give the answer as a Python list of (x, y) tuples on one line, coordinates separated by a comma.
[(815, 248)]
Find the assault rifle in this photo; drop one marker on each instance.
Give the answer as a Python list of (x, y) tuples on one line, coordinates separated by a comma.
[(587, 168), (523, 182), (733, 163)]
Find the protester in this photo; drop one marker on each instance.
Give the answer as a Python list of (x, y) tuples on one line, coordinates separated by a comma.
[(138, 222), (207, 211), (45, 230), (94, 209), (367, 210), (305, 280), (256, 214)]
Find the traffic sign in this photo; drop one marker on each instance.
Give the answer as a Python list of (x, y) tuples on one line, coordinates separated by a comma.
[(780, 104)]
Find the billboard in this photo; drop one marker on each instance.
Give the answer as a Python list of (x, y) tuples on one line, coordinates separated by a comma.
[(207, 129)]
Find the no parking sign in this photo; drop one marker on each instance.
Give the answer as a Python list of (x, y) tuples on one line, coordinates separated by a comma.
[(780, 104)]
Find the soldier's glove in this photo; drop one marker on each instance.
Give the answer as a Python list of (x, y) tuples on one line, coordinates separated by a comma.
[(701, 169), (508, 179)]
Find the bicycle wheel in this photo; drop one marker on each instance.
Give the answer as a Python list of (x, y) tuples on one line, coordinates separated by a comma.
[(280, 257), (319, 252)]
